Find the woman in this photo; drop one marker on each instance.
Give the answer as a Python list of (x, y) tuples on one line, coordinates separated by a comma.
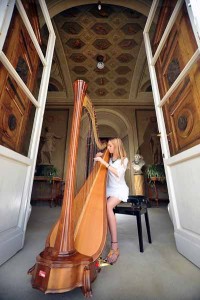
[(116, 189)]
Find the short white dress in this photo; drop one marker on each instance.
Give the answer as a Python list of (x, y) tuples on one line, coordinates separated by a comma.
[(116, 186)]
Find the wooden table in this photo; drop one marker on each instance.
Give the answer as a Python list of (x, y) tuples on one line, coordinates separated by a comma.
[(47, 188), (152, 187)]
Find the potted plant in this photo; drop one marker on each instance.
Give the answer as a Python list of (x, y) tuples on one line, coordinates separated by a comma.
[(46, 171), (155, 172)]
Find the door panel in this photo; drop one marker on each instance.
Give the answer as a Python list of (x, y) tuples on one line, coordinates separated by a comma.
[(15, 123), (182, 110), (163, 13), (184, 194), (15, 107), (12, 197), (20, 120), (13, 176), (183, 182), (178, 117)]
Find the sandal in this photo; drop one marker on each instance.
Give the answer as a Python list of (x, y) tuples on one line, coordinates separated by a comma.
[(112, 255)]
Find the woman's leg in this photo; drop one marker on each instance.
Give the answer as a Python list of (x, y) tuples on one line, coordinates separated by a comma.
[(112, 225)]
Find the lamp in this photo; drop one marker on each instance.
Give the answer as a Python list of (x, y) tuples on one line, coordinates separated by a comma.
[(99, 5), (100, 63)]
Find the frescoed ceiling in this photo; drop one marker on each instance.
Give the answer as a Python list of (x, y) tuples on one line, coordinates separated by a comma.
[(116, 34)]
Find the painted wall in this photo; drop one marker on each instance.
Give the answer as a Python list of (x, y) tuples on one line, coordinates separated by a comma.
[(146, 125), (57, 122), (133, 124)]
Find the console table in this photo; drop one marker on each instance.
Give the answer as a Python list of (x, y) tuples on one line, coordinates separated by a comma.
[(46, 188), (152, 188)]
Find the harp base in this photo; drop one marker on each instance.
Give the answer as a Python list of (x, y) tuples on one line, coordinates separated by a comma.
[(59, 275)]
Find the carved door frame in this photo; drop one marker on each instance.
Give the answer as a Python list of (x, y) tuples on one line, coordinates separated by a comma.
[(183, 187)]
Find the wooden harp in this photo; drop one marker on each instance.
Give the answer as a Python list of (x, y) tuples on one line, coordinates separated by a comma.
[(72, 249)]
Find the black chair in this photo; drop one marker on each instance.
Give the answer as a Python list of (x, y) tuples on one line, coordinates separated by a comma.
[(136, 206)]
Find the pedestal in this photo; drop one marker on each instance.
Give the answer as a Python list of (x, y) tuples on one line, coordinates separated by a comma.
[(139, 184)]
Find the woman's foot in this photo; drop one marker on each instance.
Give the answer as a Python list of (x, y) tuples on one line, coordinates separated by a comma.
[(113, 254)]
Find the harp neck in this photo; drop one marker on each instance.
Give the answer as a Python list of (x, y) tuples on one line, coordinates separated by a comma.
[(87, 103)]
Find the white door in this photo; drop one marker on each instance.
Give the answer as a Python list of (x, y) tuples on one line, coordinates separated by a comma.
[(17, 168), (176, 92)]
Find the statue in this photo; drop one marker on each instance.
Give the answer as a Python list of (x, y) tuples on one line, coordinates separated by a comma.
[(155, 148), (137, 164), (154, 142), (48, 147)]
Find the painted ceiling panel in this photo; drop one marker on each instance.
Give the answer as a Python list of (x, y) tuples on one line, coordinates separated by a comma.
[(114, 32)]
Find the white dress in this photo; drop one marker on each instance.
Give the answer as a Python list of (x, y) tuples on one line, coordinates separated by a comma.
[(116, 186)]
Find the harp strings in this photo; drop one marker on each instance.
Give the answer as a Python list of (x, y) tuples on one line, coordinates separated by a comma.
[(91, 150), (85, 167), (94, 144), (89, 145)]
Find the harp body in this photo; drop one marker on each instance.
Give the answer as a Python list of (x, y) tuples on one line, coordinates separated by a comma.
[(76, 241)]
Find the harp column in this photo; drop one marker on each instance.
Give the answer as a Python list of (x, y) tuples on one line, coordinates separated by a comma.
[(64, 243)]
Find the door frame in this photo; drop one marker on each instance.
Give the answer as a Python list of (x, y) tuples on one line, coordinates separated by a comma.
[(182, 235), (13, 239)]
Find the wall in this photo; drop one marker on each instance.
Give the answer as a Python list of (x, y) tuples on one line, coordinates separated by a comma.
[(146, 127), (57, 122), (133, 124)]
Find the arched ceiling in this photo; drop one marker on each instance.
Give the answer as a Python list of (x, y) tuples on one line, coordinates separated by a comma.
[(115, 32)]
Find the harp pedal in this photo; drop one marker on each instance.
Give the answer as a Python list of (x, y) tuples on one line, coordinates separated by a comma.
[(102, 262)]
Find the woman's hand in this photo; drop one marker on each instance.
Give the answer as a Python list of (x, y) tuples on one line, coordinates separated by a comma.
[(101, 160), (98, 158), (99, 154)]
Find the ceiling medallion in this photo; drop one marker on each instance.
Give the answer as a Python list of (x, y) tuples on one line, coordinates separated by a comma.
[(100, 63), (99, 5)]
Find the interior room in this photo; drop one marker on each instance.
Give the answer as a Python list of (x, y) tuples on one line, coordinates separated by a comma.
[(75, 75)]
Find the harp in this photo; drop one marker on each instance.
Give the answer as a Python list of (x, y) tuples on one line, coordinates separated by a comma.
[(73, 246)]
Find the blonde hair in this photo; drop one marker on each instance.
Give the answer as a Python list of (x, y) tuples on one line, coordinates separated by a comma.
[(119, 148)]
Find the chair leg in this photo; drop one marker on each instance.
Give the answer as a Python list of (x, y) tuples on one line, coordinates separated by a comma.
[(139, 227), (148, 226)]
